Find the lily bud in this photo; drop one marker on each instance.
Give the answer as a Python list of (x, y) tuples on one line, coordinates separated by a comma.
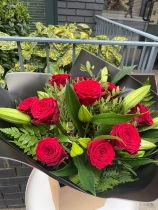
[(75, 150), (42, 95), (146, 145), (104, 73), (127, 155), (84, 115), (84, 142), (135, 97)]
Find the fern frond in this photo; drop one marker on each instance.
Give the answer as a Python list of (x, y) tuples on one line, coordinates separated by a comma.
[(12, 132), (112, 177)]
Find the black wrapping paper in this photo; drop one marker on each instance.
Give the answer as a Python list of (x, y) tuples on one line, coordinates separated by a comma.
[(22, 85)]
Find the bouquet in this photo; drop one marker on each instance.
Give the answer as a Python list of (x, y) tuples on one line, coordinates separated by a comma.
[(86, 129)]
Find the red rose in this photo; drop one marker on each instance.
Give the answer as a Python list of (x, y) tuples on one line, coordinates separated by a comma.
[(49, 151), (26, 104), (129, 135), (100, 153), (45, 111), (143, 119), (108, 89), (88, 91), (59, 79), (80, 79)]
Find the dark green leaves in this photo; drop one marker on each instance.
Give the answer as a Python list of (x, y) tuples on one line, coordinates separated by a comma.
[(62, 138), (73, 105), (138, 161), (68, 170), (111, 118), (126, 70), (87, 177), (150, 135)]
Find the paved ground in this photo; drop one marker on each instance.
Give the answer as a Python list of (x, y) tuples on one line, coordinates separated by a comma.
[(149, 206), (15, 209)]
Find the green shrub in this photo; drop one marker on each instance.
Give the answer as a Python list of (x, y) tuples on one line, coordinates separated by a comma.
[(14, 18), (60, 55), (14, 21)]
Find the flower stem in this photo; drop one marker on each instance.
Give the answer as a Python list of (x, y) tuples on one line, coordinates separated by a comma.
[(60, 127)]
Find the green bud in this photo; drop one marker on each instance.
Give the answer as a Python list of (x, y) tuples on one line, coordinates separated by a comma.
[(127, 155), (84, 142), (84, 115), (42, 95), (134, 97), (75, 150), (104, 73), (146, 145)]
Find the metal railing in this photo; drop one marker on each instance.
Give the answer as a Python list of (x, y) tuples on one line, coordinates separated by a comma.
[(112, 29), (145, 59), (135, 52), (143, 54)]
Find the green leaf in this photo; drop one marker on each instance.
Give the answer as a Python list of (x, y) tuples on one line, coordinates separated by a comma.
[(151, 152), (106, 129), (87, 177), (126, 70), (111, 118), (150, 135), (12, 132), (73, 105), (68, 170), (138, 161), (108, 137), (27, 139), (62, 138)]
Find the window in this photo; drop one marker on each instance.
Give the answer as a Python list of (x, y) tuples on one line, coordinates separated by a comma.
[(116, 5)]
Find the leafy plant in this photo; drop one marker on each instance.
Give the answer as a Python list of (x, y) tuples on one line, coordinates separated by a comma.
[(14, 21), (14, 18), (60, 55)]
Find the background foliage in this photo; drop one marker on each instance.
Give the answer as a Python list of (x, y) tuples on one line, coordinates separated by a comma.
[(14, 21), (60, 55)]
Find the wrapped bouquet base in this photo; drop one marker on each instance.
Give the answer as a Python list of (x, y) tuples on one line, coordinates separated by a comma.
[(104, 110), (67, 198)]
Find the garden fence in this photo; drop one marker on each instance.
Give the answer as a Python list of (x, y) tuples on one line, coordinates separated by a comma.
[(134, 52)]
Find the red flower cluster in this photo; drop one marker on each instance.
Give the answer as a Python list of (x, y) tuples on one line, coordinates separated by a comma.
[(100, 152), (41, 111)]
